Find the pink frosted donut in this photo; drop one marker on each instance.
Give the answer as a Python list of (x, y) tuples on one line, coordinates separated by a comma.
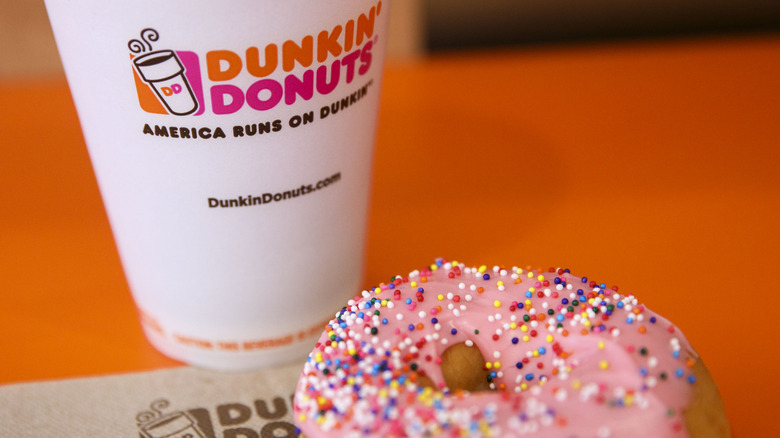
[(457, 351)]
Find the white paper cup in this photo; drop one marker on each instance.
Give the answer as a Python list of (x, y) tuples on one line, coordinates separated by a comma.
[(232, 143)]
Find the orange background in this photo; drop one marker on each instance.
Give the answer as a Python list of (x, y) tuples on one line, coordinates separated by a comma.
[(651, 166)]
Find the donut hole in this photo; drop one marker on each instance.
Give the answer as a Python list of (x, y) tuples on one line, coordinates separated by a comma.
[(463, 368)]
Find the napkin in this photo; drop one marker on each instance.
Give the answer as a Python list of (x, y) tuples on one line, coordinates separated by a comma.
[(183, 402)]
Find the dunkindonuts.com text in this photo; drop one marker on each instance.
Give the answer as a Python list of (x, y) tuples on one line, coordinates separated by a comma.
[(266, 198)]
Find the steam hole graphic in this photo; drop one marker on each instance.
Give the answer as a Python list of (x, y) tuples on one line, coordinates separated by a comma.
[(148, 36), (157, 406), (136, 46)]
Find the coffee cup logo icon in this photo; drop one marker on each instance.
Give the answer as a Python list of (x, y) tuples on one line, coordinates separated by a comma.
[(164, 73), (155, 424)]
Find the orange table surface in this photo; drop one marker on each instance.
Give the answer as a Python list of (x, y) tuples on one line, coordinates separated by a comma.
[(654, 166)]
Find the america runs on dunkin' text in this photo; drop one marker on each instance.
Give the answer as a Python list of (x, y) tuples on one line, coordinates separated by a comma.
[(258, 128)]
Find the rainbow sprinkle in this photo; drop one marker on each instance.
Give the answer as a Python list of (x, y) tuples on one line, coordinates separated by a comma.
[(562, 356)]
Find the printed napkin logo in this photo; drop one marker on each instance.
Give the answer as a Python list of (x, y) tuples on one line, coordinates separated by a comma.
[(260, 419), (166, 74), (155, 424)]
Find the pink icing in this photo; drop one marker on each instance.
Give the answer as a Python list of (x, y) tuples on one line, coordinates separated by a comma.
[(569, 357)]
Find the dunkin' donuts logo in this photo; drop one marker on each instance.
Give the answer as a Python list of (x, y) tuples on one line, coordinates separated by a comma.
[(261, 419), (164, 79), (186, 82)]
